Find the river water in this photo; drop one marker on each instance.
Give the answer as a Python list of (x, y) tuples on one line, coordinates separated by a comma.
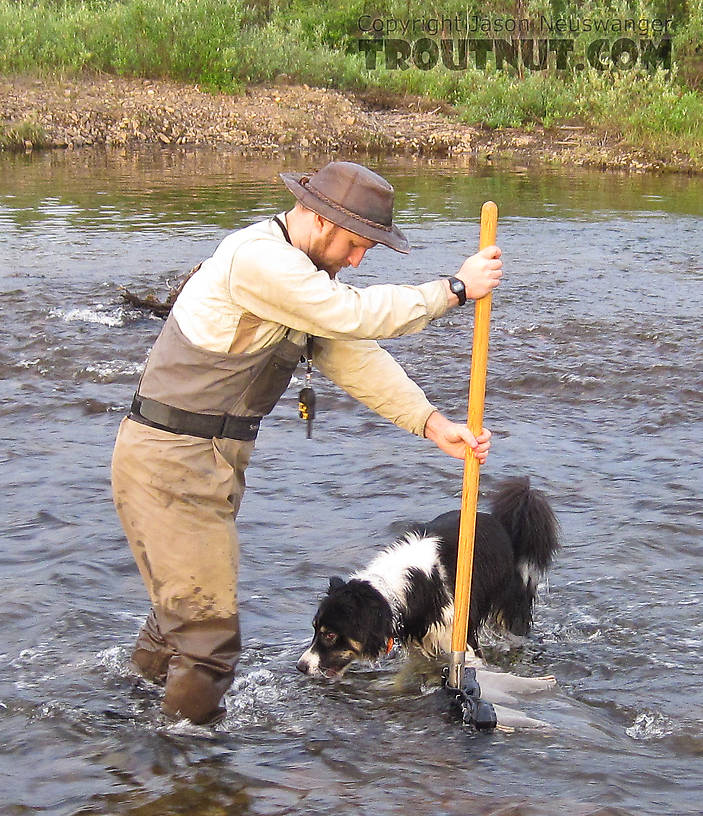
[(595, 382)]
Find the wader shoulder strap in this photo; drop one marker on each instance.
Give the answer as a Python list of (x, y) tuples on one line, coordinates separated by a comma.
[(284, 230)]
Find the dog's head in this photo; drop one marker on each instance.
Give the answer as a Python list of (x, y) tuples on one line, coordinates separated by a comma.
[(354, 621)]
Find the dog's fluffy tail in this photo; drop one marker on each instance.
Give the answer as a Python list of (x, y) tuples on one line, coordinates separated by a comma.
[(528, 519)]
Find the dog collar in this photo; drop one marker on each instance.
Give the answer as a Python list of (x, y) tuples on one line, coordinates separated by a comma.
[(389, 645)]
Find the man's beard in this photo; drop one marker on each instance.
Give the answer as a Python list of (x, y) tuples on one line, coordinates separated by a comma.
[(317, 252)]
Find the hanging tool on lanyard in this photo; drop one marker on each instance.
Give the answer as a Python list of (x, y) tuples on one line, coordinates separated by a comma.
[(306, 398)]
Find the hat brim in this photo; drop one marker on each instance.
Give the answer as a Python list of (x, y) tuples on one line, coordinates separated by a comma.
[(392, 238)]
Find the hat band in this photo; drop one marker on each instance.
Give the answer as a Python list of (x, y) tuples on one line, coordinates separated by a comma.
[(304, 182)]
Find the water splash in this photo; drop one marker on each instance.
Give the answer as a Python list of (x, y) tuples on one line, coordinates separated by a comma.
[(112, 318), (110, 370), (254, 698), (649, 725)]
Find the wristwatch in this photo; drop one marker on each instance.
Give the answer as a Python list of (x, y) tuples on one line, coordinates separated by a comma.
[(458, 289)]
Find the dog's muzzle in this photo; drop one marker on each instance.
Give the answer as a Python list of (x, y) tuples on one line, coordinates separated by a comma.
[(309, 663)]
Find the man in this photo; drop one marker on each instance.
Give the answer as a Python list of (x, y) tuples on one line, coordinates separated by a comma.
[(223, 359)]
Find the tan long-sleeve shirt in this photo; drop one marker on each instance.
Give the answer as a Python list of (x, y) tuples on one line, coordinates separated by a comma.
[(256, 287)]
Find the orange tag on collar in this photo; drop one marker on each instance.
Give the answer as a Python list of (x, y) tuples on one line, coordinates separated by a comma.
[(389, 646)]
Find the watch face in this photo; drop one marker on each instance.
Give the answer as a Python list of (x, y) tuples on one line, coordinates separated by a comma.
[(458, 289)]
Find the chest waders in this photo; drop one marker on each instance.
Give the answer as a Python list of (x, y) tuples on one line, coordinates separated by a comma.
[(178, 479), (191, 390)]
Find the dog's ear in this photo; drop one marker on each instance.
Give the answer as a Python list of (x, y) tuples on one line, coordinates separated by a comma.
[(335, 583)]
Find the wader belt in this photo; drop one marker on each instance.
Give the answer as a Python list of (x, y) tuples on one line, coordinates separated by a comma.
[(207, 426)]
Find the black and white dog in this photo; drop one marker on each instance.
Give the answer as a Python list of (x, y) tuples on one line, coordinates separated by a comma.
[(406, 594)]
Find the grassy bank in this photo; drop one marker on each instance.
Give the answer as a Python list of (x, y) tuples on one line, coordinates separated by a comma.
[(18, 137), (227, 44)]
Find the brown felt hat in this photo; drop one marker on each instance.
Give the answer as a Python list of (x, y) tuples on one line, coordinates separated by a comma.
[(353, 197)]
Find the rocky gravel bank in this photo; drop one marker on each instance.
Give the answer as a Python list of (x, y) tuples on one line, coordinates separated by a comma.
[(105, 110)]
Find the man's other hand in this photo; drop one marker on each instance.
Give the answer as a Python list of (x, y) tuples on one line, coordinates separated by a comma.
[(453, 437)]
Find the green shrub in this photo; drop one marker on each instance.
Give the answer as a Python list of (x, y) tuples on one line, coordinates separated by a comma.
[(23, 136)]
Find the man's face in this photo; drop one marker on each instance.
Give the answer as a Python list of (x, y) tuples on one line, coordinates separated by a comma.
[(332, 247)]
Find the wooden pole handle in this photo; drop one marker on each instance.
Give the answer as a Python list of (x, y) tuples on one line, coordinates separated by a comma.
[(469, 494)]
